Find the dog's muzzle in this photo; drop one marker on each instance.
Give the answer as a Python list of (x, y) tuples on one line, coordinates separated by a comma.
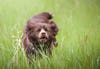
[(43, 36)]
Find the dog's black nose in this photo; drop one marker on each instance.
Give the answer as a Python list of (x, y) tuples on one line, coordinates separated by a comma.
[(43, 33)]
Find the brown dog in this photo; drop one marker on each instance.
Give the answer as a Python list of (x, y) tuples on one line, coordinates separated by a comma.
[(39, 34)]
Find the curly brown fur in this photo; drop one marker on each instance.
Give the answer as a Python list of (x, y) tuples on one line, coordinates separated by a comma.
[(39, 33)]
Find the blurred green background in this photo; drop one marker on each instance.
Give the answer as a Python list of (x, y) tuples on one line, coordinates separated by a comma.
[(79, 35)]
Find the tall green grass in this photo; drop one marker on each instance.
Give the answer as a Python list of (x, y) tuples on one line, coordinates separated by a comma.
[(79, 35)]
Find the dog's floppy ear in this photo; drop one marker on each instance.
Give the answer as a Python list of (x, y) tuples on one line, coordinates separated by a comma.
[(47, 15), (54, 28), (29, 26)]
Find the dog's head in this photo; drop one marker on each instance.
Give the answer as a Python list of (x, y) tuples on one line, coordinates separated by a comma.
[(41, 32), (40, 29)]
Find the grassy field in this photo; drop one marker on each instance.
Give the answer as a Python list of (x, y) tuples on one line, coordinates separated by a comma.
[(79, 35)]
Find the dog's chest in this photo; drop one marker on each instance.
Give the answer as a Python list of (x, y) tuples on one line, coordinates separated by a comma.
[(40, 48)]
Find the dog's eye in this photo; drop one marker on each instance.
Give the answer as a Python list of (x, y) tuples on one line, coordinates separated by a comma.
[(39, 30), (46, 29)]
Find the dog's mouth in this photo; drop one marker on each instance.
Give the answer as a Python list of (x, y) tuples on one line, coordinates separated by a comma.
[(43, 39)]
